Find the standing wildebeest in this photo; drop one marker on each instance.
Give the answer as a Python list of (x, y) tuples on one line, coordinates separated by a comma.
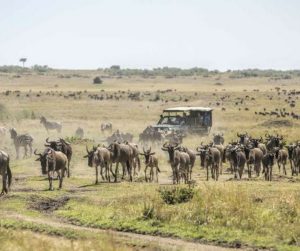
[(53, 161), (192, 154), (273, 141), (258, 143), (51, 125), (210, 157), (296, 159), (238, 157), (122, 153), (23, 140), (218, 139), (244, 138), (136, 159), (64, 147), (152, 162), (106, 127), (5, 172), (255, 158), (179, 161), (79, 133), (291, 155), (268, 162), (100, 157), (281, 157)]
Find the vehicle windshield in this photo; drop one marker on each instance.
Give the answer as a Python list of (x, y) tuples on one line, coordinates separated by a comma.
[(172, 120)]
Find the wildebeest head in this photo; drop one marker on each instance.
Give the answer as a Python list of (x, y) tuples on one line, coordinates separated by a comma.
[(115, 150), (218, 139), (147, 154), (290, 149), (43, 158), (243, 137), (170, 148), (43, 120), (203, 151), (90, 155), (56, 145)]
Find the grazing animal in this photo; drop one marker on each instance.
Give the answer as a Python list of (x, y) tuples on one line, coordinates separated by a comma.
[(152, 162), (122, 153), (79, 133), (268, 162), (238, 157), (244, 138), (106, 127), (296, 160), (63, 146), (192, 154), (179, 161), (100, 157), (210, 157), (5, 172), (136, 160), (51, 125), (23, 140), (53, 161), (281, 157), (255, 158), (273, 141), (218, 139), (290, 149)]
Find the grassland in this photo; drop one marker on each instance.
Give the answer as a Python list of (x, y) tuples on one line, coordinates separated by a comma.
[(248, 213)]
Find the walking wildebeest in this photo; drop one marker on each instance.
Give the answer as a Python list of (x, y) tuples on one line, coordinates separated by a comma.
[(100, 157), (79, 133), (53, 161), (106, 127), (51, 125), (152, 162), (23, 140), (5, 172)]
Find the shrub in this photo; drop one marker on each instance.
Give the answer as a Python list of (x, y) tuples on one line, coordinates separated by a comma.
[(176, 195), (97, 80)]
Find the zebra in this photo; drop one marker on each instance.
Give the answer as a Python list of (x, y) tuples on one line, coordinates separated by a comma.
[(23, 140), (51, 125)]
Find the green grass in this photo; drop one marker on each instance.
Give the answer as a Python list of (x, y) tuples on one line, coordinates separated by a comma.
[(251, 213)]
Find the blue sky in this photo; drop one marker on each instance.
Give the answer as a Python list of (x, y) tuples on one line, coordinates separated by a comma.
[(88, 34)]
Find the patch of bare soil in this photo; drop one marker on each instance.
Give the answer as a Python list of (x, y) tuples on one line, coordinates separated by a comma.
[(277, 123), (45, 204)]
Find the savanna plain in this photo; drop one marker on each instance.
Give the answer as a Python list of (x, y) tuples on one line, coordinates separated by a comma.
[(249, 214)]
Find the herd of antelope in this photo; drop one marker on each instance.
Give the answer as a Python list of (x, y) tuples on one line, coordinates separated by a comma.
[(255, 154)]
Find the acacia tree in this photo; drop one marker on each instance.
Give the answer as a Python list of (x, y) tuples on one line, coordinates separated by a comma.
[(23, 60)]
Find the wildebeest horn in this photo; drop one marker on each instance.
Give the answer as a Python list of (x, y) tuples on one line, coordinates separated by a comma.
[(237, 134), (39, 154), (87, 149), (144, 150), (201, 144), (165, 144), (47, 140), (198, 149)]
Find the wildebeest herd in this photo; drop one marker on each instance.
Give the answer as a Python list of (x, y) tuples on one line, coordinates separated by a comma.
[(246, 154)]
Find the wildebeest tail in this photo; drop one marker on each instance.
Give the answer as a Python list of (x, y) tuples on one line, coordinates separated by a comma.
[(224, 157), (9, 175), (158, 169)]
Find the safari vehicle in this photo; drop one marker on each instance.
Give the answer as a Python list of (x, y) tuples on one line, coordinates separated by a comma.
[(197, 120)]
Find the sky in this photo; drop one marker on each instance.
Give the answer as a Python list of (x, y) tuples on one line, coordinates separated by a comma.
[(91, 34)]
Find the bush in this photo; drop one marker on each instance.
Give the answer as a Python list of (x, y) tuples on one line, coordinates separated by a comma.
[(97, 80), (176, 195)]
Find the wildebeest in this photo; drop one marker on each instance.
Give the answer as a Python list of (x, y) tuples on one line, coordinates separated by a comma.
[(192, 154), (179, 161), (5, 172), (218, 139), (106, 127), (291, 153), (239, 159), (281, 158), (63, 146), (135, 156), (51, 125), (210, 158), (255, 158), (152, 162), (23, 140), (100, 157), (122, 153), (244, 138), (273, 141), (119, 137), (53, 161), (268, 162), (79, 133)]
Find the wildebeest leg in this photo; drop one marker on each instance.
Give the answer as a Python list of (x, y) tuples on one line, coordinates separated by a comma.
[(116, 171), (151, 174), (278, 164), (4, 182), (129, 169), (271, 170), (207, 172), (101, 171), (61, 178), (249, 170), (146, 173), (25, 151), (96, 169), (68, 168), (283, 167), (50, 178), (30, 147), (123, 169), (156, 168), (107, 171), (17, 151)]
